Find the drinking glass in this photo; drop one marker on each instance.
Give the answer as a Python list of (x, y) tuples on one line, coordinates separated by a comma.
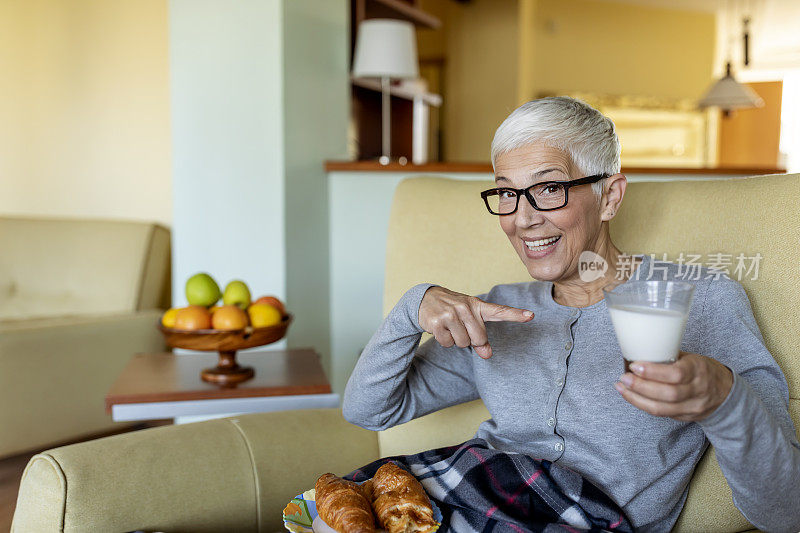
[(649, 318)]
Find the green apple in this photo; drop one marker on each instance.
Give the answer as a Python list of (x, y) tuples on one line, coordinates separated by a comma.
[(201, 289), (236, 293)]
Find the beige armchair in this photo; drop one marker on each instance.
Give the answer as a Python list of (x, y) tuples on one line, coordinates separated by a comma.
[(237, 474), (77, 299)]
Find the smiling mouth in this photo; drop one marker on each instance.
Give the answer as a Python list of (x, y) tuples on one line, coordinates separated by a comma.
[(542, 244)]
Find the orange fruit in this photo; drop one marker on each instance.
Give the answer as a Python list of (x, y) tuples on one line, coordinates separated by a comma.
[(273, 301), (168, 318), (213, 308), (229, 317), (193, 317), (263, 315)]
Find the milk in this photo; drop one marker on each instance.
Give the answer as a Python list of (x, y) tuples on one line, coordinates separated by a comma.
[(648, 333)]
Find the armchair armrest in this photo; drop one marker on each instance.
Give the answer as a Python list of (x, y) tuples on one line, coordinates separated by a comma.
[(227, 474)]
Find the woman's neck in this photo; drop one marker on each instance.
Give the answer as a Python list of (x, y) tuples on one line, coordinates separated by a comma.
[(574, 292)]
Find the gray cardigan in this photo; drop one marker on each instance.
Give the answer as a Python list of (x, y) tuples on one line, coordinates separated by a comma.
[(549, 388)]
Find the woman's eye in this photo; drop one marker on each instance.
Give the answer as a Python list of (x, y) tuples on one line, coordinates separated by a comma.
[(549, 189)]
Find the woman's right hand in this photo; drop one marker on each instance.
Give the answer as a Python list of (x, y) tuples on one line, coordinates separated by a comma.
[(455, 318)]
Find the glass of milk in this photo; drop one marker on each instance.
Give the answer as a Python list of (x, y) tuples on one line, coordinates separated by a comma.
[(649, 318)]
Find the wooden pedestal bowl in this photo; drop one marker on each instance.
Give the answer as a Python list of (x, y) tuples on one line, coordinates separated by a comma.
[(226, 342)]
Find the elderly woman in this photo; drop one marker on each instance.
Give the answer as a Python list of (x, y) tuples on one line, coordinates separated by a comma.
[(553, 381)]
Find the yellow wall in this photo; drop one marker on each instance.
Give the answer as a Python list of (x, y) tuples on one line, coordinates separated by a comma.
[(480, 81), (617, 48), (84, 109)]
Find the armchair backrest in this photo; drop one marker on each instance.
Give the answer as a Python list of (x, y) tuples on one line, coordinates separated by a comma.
[(440, 232)]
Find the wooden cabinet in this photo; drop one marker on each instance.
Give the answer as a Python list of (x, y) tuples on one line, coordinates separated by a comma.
[(751, 137)]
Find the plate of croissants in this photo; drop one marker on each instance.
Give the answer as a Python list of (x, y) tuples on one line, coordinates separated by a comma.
[(392, 501)]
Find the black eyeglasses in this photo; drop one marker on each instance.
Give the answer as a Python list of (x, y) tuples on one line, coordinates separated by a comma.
[(544, 196)]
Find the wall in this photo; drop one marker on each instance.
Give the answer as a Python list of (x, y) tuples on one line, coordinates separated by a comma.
[(481, 78), (618, 48), (84, 109), (228, 145), (316, 97), (479, 43)]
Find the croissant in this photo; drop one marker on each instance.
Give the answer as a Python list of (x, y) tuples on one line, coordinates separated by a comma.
[(344, 505), (400, 502)]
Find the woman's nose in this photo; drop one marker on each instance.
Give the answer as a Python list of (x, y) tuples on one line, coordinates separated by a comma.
[(526, 215)]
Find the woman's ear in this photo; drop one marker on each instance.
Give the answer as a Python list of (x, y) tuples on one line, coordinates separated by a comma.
[(612, 199)]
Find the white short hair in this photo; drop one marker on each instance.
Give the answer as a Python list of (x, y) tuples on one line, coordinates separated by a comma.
[(569, 125)]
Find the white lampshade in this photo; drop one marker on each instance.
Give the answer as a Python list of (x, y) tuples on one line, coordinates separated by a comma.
[(385, 48), (727, 93)]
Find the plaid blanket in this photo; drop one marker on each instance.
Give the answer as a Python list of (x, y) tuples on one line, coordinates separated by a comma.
[(481, 489)]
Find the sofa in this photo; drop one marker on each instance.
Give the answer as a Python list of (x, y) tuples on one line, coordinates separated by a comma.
[(77, 299), (238, 473)]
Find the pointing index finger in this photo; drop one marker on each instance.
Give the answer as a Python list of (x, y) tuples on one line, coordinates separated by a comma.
[(498, 313)]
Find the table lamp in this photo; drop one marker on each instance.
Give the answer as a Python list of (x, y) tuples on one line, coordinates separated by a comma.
[(385, 49)]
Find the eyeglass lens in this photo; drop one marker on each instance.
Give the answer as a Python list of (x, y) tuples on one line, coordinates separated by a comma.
[(546, 195)]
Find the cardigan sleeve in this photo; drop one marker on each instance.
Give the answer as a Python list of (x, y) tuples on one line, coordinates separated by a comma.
[(396, 379), (753, 435)]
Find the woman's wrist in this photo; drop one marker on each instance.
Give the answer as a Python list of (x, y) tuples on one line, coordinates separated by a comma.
[(724, 384), (724, 390)]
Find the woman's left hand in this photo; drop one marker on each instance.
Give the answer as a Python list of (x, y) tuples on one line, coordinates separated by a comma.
[(689, 389)]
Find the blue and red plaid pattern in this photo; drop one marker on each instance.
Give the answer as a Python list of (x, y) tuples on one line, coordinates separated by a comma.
[(481, 489)]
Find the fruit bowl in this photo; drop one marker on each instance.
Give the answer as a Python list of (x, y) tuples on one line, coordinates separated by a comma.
[(226, 342)]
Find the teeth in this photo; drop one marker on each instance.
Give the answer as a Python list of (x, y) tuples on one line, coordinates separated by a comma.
[(540, 243)]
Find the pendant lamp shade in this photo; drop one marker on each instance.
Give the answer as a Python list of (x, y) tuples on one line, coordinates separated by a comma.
[(727, 93), (385, 48)]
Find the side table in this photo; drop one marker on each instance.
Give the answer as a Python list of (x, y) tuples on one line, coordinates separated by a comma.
[(165, 385)]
